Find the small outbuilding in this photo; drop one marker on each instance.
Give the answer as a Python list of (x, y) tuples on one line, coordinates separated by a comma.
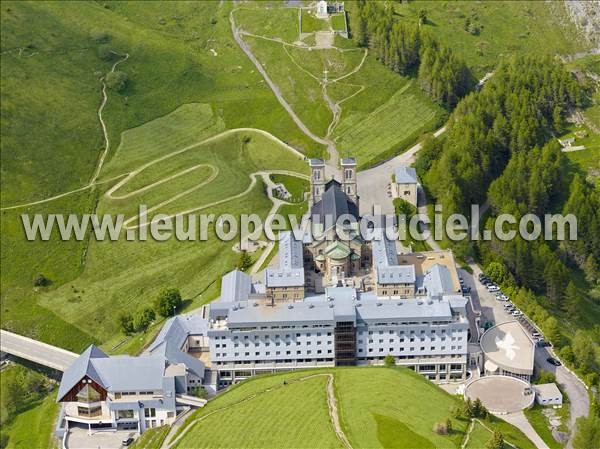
[(405, 184), (548, 394)]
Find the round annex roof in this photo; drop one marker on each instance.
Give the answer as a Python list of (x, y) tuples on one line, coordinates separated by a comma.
[(501, 394), (508, 347)]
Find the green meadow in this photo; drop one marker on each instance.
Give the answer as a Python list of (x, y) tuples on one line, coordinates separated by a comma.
[(378, 408)]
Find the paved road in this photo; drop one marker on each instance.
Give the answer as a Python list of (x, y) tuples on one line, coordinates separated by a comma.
[(520, 422), (373, 183), (35, 351)]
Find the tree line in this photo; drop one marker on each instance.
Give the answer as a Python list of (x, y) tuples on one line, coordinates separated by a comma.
[(408, 49)]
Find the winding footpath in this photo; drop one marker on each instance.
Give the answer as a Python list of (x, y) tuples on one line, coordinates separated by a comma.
[(100, 164)]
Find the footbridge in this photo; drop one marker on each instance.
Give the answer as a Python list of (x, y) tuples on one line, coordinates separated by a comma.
[(36, 351)]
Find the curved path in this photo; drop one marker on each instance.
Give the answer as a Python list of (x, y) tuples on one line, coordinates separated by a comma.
[(100, 109), (331, 406), (266, 134)]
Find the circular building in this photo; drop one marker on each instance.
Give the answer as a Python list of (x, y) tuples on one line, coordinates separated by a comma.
[(508, 351), (501, 394)]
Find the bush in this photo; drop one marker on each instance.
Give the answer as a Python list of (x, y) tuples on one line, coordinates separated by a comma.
[(200, 392), (440, 428), (144, 319), (496, 442), (126, 323), (41, 281), (244, 261), (168, 301), (545, 377), (389, 360), (117, 80)]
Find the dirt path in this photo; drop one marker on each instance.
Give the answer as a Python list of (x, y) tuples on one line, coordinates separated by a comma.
[(129, 174), (331, 405), (125, 57)]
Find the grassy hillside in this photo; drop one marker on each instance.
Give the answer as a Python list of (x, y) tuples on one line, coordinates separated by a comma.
[(499, 28), (381, 113), (123, 275), (378, 407), (180, 53)]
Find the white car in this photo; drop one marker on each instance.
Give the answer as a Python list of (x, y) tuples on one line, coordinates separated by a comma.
[(502, 297), (493, 288)]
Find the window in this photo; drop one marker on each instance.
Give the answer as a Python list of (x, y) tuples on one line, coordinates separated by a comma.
[(88, 394), (124, 414), (90, 411)]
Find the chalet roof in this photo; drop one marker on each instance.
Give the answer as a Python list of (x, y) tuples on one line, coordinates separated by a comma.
[(80, 368)]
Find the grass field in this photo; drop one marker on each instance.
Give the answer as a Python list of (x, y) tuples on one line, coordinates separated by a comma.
[(338, 22), (310, 23), (404, 116), (34, 427), (378, 407), (505, 28), (297, 187), (152, 438)]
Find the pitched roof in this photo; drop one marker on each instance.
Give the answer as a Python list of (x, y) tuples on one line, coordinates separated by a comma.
[(236, 286), (177, 329), (406, 175), (333, 204), (80, 368), (438, 280)]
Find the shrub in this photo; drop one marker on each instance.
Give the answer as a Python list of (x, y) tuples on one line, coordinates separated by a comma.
[(126, 323), (440, 428), (244, 261), (117, 80), (41, 281), (389, 360), (496, 442)]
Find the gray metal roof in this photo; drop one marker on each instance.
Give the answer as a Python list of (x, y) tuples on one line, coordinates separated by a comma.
[(339, 304), (348, 161), (80, 368), (384, 251), (126, 373), (290, 272), (389, 309), (397, 274), (406, 175), (333, 204), (177, 329), (236, 286), (316, 162), (438, 280), (175, 356)]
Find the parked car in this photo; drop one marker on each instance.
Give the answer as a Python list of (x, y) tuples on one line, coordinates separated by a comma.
[(466, 289), (536, 335), (553, 361), (542, 343), (127, 441), (493, 288), (501, 297)]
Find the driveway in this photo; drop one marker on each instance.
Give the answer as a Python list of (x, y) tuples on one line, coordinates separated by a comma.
[(372, 183), (78, 438)]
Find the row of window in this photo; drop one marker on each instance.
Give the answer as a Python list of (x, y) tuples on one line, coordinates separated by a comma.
[(268, 353)]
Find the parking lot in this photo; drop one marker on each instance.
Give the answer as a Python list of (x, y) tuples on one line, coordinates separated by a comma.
[(79, 438)]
